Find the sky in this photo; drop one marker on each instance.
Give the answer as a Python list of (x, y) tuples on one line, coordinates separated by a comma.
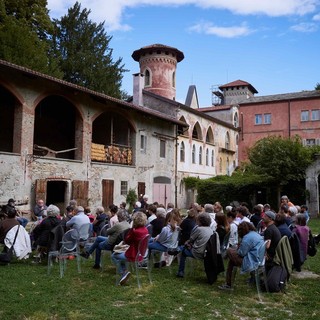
[(273, 45)]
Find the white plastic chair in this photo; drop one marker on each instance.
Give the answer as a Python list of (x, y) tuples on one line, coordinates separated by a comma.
[(69, 247)]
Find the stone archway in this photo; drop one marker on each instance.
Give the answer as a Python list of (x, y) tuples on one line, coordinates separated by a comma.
[(312, 186)]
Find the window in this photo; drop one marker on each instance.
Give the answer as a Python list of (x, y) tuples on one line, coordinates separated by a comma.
[(236, 120), (143, 143), (193, 154), (267, 118), (200, 155), (305, 115), (174, 79), (147, 78), (212, 158), (258, 119), (315, 115), (124, 188), (162, 148), (182, 152), (227, 143), (310, 142), (207, 157)]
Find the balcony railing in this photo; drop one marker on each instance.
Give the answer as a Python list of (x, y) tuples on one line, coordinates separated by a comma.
[(114, 153)]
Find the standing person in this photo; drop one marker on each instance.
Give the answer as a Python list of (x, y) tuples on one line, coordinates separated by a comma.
[(242, 214), (246, 255), (113, 219), (132, 238), (233, 239), (256, 215), (223, 226), (39, 209), (272, 234)]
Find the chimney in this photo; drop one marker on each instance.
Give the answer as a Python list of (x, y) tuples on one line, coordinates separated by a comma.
[(138, 84)]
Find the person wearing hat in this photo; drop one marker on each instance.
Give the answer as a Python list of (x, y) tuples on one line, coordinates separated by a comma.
[(273, 235), (11, 204)]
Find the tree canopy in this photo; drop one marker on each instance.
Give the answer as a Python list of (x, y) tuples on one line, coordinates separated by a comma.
[(317, 87), (82, 48), (24, 30)]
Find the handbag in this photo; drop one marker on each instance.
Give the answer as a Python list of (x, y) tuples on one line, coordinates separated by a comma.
[(121, 247), (6, 257)]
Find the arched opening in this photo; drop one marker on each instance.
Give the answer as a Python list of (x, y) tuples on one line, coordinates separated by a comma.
[(209, 136), (113, 135), (196, 132), (181, 129), (207, 157), (227, 141), (236, 120), (57, 129), (147, 78), (11, 122), (200, 155)]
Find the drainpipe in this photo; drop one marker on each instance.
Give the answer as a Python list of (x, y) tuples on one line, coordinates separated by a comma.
[(242, 126), (289, 118)]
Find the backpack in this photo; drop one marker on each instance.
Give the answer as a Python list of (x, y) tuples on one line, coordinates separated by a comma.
[(276, 279), (312, 250)]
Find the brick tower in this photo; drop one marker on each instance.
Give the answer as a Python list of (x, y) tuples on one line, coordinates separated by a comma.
[(158, 64)]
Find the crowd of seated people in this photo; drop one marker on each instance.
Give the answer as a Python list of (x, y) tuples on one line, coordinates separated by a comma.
[(171, 234)]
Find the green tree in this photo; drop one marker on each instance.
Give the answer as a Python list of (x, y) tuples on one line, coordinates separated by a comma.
[(85, 56), (24, 35), (317, 87), (282, 159)]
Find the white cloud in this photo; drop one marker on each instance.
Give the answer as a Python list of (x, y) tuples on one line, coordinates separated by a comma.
[(316, 17), (305, 27), (224, 32), (112, 11)]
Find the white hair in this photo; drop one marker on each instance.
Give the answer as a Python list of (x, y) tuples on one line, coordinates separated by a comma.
[(53, 210)]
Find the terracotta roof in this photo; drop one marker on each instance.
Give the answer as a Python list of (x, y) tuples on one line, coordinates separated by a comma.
[(93, 93), (283, 96), (239, 83), (155, 47)]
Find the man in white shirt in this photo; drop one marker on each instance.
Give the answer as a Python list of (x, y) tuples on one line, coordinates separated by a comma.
[(78, 220)]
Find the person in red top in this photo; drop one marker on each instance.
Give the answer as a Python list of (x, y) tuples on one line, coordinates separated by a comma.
[(132, 238)]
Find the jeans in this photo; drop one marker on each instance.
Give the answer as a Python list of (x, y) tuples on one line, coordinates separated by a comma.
[(155, 245), (185, 253), (101, 243), (121, 262)]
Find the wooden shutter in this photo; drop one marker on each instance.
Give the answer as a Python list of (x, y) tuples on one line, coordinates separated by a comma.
[(80, 190), (107, 193), (41, 189)]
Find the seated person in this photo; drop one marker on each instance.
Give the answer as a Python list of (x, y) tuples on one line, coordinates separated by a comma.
[(196, 245), (281, 224), (158, 223), (39, 209), (77, 221), (100, 220), (41, 233), (11, 204), (246, 255), (9, 222), (132, 238), (108, 242), (168, 236), (302, 231), (187, 226)]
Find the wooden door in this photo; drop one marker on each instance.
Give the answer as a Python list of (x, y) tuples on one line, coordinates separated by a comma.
[(162, 193), (41, 190), (80, 192), (141, 189), (107, 193)]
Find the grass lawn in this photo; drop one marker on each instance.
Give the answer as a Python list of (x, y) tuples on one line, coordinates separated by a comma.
[(28, 293)]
